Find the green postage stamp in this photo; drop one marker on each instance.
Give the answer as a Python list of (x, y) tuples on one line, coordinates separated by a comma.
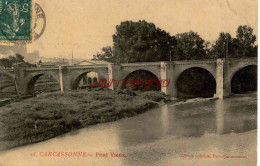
[(15, 20)]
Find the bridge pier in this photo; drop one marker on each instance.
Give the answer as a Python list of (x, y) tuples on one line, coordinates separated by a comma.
[(220, 79), (164, 77), (223, 88), (61, 79), (64, 79), (113, 74), (20, 82), (226, 79), (168, 74)]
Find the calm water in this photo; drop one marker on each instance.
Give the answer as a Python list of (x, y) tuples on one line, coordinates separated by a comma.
[(231, 115), (190, 120)]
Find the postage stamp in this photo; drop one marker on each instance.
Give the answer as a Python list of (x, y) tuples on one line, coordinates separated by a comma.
[(15, 20)]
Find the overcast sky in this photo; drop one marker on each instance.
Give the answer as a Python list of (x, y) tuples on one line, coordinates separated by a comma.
[(88, 25)]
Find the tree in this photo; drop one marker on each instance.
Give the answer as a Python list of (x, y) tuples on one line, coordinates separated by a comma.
[(12, 59), (245, 40), (19, 57), (254, 53), (241, 46), (189, 46), (106, 54), (223, 44), (207, 46), (141, 42), (16, 58), (6, 63)]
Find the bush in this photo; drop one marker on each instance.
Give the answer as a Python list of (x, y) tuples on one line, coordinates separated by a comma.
[(153, 95)]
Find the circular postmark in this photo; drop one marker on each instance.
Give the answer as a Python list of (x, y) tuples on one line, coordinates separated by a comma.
[(20, 21), (39, 22)]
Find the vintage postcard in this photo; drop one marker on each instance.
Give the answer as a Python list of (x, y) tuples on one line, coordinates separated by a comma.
[(128, 82)]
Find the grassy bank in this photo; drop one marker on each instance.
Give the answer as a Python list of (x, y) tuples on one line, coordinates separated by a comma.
[(40, 118)]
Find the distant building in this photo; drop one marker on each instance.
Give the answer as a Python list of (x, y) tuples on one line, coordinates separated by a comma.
[(92, 62), (10, 50), (32, 57), (51, 64)]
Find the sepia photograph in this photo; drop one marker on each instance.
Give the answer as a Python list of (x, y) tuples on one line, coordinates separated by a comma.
[(128, 82)]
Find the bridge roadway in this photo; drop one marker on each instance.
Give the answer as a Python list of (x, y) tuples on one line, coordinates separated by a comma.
[(68, 77)]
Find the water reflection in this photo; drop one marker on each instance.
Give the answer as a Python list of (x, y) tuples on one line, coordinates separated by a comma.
[(219, 116), (188, 120), (164, 120)]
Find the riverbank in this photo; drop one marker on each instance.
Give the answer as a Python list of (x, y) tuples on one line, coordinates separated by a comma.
[(195, 100), (47, 116)]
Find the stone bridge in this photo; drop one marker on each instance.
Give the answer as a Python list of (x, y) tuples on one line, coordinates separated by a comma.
[(68, 77)]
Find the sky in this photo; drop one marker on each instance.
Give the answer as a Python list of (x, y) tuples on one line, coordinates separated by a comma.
[(88, 25)]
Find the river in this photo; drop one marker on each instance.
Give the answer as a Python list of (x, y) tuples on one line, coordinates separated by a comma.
[(200, 133)]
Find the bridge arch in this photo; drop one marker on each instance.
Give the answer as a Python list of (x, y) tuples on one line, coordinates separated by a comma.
[(243, 79), (7, 84), (130, 68), (149, 79), (182, 66), (235, 68), (32, 80), (95, 76), (195, 82), (7, 74)]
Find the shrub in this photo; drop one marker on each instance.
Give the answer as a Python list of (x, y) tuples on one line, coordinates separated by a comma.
[(153, 95)]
